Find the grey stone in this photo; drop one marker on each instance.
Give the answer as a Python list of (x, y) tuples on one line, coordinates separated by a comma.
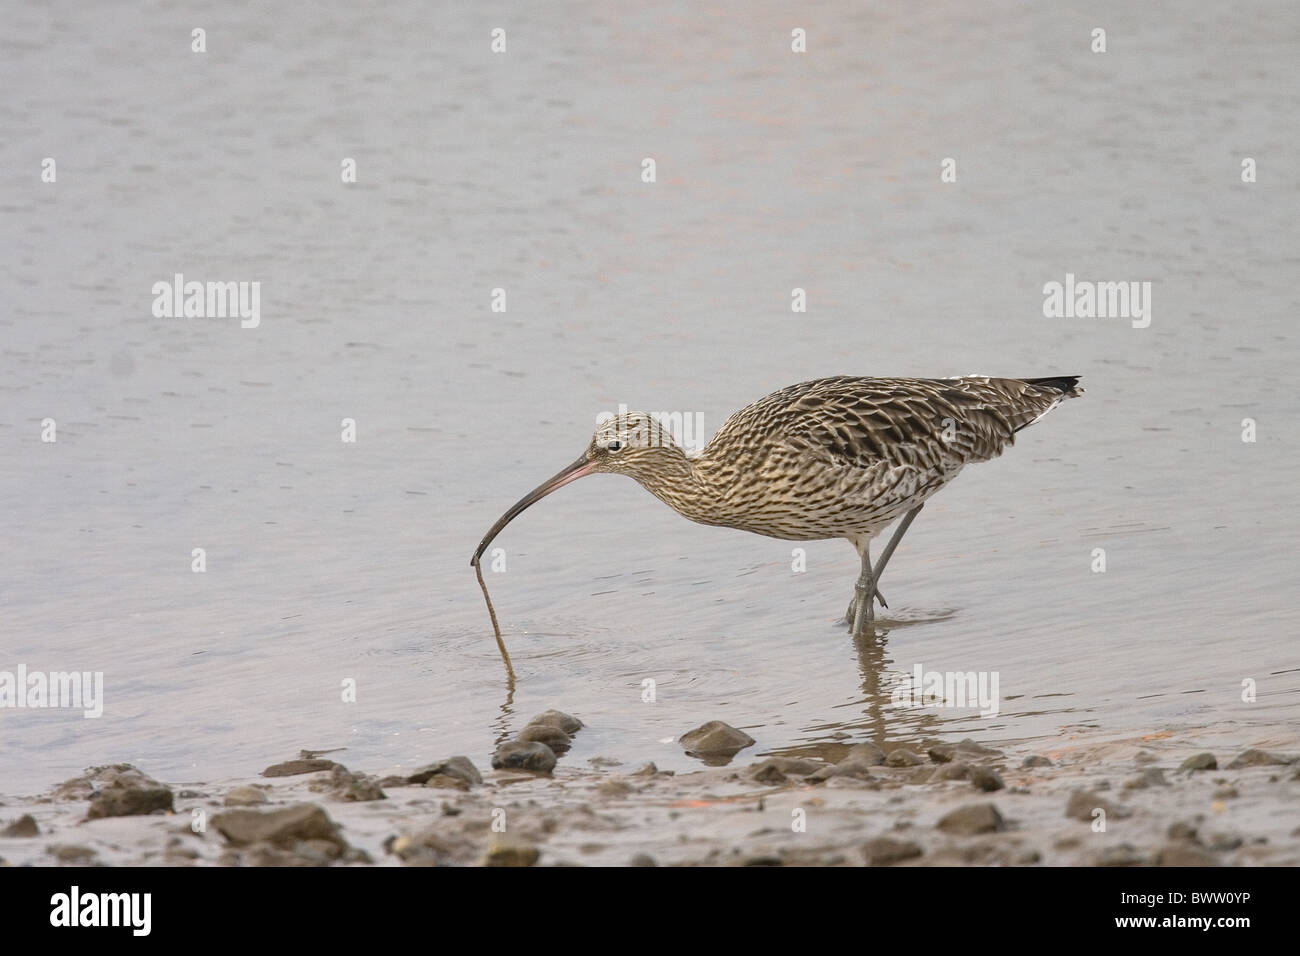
[(957, 770), (971, 819), (902, 757), (557, 718), (715, 739), (24, 826), (511, 854), (284, 827), (453, 768), (884, 851), (986, 779), (292, 768), (548, 734), (127, 794), (245, 797), (1203, 761), (1150, 777), (516, 755), (1259, 758)]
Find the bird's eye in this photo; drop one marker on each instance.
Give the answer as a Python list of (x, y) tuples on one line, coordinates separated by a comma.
[(614, 446)]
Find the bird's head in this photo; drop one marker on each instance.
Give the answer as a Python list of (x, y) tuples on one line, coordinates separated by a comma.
[(635, 444)]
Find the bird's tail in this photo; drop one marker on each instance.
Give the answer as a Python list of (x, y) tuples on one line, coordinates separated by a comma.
[(1067, 385)]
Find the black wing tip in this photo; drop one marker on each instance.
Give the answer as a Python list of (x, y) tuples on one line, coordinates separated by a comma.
[(1065, 384)]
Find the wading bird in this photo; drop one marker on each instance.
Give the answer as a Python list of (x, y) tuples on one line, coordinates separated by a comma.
[(838, 457)]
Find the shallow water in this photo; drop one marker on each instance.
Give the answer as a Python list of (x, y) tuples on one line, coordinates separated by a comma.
[(329, 562)]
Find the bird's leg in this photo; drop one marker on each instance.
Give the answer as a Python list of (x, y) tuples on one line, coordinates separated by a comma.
[(893, 543), (852, 614), (866, 589)]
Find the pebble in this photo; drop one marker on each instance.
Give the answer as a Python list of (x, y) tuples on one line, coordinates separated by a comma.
[(24, 826), (1183, 854), (715, 739), (957, 770), (885, 851), (457, 772), (971, 819), (548, 734), (902, 757), (511, 854), (291, 768), (986, 779), (283, 827), (1259, 758), (1035, 760), (516, 755), (245, 797), (1083, 803), (1151, 777), (557, 718), (1204, 761), (129, 793)]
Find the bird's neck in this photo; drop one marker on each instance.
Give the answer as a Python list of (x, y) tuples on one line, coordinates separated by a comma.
[(684, 485)]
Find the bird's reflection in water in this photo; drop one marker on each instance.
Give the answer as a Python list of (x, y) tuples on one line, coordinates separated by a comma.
[(881, 723)]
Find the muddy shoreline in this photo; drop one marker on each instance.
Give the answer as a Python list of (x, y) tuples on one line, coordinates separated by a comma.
[(1161, 798)]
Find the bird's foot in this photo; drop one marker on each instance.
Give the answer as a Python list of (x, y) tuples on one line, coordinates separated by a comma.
[(852, 611)]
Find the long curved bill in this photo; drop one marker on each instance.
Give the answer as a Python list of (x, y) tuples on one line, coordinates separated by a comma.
[(575, 471)]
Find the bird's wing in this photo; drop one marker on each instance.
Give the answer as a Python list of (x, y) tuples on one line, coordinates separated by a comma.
[(926, 424)]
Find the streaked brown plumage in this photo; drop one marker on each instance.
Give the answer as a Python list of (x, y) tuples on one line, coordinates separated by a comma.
[(839, 457)]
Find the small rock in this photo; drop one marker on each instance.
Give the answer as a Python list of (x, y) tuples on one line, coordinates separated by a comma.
[(866, 754), (1029, 857), (1150, 777), (1181, 831), (515, 755), (773, 770), (245, 797), (1183, 854), (548, 734), (645, 770), (957, 770), (1226, 793), (511, 854), (943, 753), (1083, 803), (1222, 842), (971, 819), (283, 828), (131, 793), (1259, 758), (354, 787), (556, 718), (70, 853), (1204, 761), (291, 768), (642, 859), (715, 739), (884, 851), (902, 757), (1035, 760), (458, 769), (24, 826), (1123, 855), (986, 779), (614, 788)]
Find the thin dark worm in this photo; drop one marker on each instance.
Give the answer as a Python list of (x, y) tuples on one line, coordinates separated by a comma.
[(496, 628)]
